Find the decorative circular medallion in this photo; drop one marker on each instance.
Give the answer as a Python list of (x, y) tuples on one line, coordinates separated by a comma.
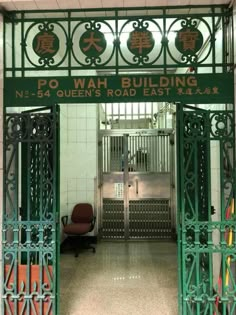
[(46, 44), (140, 42), (92, 43), (189, 40)]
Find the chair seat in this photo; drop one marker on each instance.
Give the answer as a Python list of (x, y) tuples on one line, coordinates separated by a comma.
[(77, 228)]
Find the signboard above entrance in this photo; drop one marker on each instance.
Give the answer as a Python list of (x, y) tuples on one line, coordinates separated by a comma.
[(190, 89)]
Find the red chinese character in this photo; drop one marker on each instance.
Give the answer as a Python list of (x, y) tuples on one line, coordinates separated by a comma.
[(189, 39), (45, 44), (180, 91), (92, 42), (207, 91), (140, 41), (198, 91), (215, 90)]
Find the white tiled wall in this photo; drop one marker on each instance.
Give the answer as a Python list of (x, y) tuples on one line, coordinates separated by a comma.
[(78, 155)]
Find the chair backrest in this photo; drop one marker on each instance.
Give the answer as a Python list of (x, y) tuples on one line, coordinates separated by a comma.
[(82, 213)]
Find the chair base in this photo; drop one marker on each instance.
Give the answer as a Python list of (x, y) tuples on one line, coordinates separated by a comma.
[(77, 243), (87, 247)]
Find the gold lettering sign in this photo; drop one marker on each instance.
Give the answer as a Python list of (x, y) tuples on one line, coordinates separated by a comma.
[(172, 88)]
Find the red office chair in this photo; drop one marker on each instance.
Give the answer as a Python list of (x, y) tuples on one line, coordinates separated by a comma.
[(82, 222)]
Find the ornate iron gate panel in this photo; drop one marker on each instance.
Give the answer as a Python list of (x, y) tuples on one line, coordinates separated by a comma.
[(31, 211), (63, 42), (205, 237)]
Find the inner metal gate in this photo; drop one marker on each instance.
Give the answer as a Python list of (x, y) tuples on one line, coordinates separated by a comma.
[(136, 185), (31, 208), (206, 235)]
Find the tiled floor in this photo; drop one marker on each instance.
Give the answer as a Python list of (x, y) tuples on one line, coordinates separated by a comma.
[(132, 278)]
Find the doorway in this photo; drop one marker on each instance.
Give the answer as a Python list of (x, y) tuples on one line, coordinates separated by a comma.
[(136, 186), (203, 231), (162, 54)]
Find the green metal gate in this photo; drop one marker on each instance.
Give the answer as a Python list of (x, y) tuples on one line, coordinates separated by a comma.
[(206, 235), (136, 54), (31, 211)]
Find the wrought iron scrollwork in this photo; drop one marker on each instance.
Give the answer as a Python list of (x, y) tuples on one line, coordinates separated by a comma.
[(222, 124), (29, 230), (189, 40), (93, 43), (140, 42), (119, 41), (203, 238), (195, 125), (48, 49)]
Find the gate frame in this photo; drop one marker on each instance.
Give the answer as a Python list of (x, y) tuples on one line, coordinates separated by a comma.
[(226, 65)]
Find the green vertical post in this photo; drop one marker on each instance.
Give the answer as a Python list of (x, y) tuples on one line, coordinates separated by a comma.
[(179, 159), (56, 111)]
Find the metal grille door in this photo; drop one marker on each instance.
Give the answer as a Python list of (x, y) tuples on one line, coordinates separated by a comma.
[(136, 186), (113, 218), (150, 218), (206, 235), (30, 226)]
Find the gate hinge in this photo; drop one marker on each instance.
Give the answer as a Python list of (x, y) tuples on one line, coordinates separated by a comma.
[(172, 139), (213, 210), (57, 218)]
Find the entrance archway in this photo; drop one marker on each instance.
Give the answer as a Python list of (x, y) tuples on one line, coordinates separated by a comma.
[(142, 44)]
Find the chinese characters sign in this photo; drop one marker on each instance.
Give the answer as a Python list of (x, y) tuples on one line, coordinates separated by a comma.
[(46, 44), (189, 40), (140, 42), (93, 43), (190, 89), (116, 41)]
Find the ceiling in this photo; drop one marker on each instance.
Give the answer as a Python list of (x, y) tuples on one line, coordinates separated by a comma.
[(84, 4)]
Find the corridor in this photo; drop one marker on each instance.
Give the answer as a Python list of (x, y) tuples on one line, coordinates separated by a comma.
[(122, 278)]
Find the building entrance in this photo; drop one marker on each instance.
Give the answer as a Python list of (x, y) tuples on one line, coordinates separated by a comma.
[(136, 185), (162, 55)]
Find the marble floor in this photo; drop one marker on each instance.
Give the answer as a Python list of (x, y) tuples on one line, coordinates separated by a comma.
[(122, 278)]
